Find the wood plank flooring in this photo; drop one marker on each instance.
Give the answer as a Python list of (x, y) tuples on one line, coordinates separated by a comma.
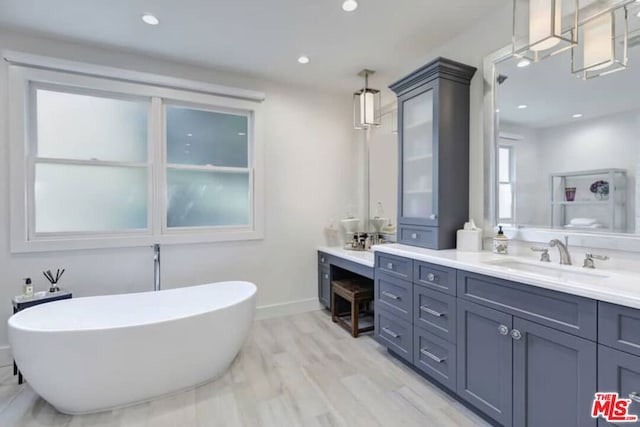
[(300, 370)]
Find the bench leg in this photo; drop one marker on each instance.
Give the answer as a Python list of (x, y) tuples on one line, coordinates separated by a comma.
[(354, 319), (334, 309)]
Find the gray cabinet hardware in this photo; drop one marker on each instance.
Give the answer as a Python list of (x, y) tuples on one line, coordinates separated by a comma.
[(432, 356), (390, 295), (503, 330), (390, 332), (326, 276), (431, 277), (433, 216), (390, 265), (322, 260), (588, 260), (516, 334), (431, 311), (414, 235), (635, 396)]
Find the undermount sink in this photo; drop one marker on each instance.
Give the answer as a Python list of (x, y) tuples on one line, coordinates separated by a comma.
[(562, 272)]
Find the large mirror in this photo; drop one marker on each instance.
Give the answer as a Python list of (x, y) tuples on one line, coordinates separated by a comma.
[(383, 168), (567, 150)]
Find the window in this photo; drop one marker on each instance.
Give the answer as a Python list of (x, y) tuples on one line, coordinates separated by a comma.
[(506, 184), (98, 162)]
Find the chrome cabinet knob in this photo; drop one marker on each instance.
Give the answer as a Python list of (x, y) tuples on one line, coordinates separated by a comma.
[(390, 266), (431, 277), (433, 216), (322, 260), (414, 236), (516, 334), (326, 276), (503, 330)]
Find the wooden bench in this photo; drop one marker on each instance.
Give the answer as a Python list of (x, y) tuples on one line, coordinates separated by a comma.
[(359, 295)]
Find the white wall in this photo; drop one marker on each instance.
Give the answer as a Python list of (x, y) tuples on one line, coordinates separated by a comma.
[(310, 148)]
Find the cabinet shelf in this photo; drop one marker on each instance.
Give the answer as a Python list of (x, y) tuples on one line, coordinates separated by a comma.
[(418, 158)]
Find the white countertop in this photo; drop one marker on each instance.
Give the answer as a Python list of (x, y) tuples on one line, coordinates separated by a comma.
[(360, 257), (621, 288)]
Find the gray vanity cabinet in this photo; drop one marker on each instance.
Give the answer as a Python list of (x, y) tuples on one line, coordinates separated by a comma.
[(619, 372), (324, 286), (554, 377), (433, 132), (485, 360)]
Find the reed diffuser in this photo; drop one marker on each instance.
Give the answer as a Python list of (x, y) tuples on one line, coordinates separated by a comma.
[(53, 279)]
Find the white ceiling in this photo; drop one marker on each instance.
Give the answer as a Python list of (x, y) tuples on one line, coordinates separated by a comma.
[(263, 37), (553, 94)]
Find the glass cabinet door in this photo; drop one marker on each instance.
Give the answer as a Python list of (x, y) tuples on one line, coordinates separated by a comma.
[(417, 158)]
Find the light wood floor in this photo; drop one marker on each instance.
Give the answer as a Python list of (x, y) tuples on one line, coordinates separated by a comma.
[(301, 370)]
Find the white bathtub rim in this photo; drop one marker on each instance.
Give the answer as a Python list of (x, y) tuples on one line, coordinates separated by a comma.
[(12, 323)]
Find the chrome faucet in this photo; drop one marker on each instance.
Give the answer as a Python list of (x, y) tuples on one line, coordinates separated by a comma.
[(565, 257), (156, 267)]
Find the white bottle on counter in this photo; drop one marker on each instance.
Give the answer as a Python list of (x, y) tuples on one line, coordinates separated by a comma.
[(500, 243)]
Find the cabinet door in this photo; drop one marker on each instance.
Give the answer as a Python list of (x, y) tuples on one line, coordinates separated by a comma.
[(554, 377), (619, 372), (418, 153), (324, 286), (485, 360)]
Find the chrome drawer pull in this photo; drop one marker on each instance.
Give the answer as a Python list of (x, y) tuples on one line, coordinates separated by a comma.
[(431, 277), (635, 397), (390, 332), (390, 295), (431, 311), (390, 266), (432, 356)]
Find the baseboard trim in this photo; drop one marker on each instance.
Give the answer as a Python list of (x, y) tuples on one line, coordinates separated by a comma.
[(287, 308), (6, 358)]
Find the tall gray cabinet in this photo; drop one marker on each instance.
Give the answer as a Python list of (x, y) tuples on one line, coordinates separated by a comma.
[(433, 132)]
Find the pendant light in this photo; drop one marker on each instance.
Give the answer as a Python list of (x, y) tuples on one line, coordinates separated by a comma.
[(542, 28), (366, 104), (603, 45)]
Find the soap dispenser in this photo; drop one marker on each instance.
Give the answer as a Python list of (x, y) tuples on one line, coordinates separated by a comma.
[(500, 243), (28, 288)]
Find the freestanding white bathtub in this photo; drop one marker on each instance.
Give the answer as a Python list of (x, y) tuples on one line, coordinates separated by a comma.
[(92, 354)]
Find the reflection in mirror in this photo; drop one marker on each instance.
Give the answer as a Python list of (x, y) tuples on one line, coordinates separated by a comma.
[(383, 173), (567, 149)]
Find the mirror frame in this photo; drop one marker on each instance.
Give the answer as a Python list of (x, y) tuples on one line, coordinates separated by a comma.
[(599, 240)]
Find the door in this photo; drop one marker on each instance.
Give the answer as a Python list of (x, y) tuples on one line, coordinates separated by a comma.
[(418, 149), (324, 286), (619, 372), (554, 377), (485, 360)]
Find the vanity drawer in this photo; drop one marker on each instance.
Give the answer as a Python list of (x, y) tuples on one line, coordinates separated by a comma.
[(436, 277), (424, 237), (435, 312), (394, 333), (323, 259), (435, 357), (394, 295), (395, 266), (568, 313), (619, 327)]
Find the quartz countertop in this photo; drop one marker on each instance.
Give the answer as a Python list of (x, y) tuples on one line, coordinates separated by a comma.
[(360, 257), (622, 288)]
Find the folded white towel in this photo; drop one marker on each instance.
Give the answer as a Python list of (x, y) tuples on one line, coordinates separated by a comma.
[(597, 225), (583, 221)]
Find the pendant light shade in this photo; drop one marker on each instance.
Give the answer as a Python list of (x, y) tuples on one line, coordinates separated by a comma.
[(542, 28), (366, 104), (603, 45)]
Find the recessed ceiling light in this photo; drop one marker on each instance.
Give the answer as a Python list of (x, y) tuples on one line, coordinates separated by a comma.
[(349, 5), (524, 63), (577, 116), (150, 19), (522, 106), (303, 59)]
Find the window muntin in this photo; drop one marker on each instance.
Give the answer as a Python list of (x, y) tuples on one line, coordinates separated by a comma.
[(506, 184)]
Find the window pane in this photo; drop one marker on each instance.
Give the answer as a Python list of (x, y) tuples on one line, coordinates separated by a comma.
[(504, 164), (505, 201), (85, 127), (90, 198), (198, 199), (196, 137)]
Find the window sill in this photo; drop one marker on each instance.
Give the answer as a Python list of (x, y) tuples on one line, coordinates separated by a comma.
[(76, 243)]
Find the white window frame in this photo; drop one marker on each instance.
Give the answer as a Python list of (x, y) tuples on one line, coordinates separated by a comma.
[(23, 79), (511, 182)]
